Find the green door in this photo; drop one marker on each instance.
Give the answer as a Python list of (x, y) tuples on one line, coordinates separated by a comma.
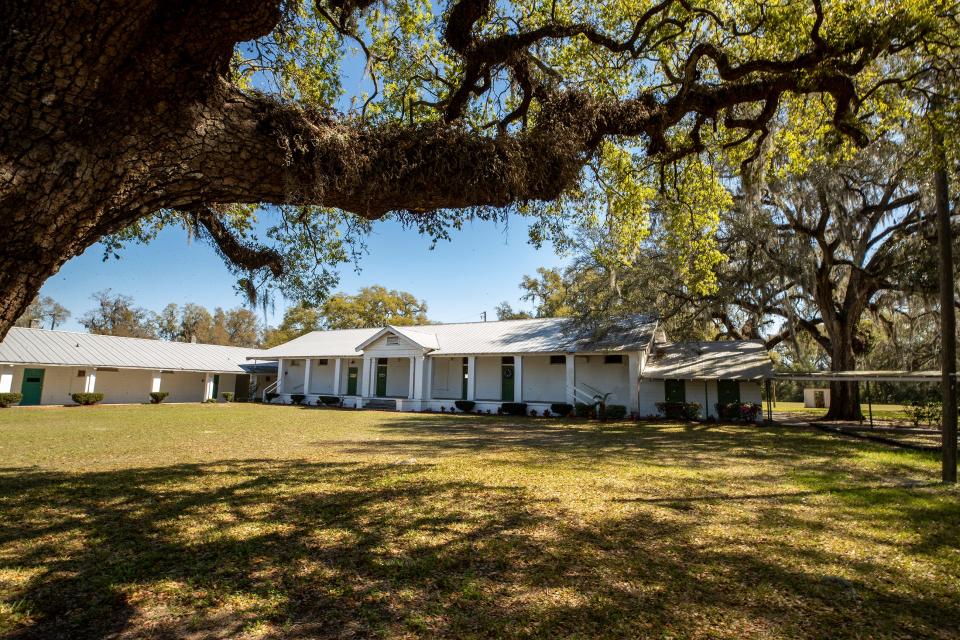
[(381, 378), (465, 376), (216, 386), (728, 391), (32, 386), (506, 381), (352, 376), (674, 391)]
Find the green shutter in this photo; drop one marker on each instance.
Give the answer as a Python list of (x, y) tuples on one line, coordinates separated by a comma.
[(674, 391)]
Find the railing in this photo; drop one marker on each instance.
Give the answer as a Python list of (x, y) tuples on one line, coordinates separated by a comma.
[(270, 388), (588, 395)]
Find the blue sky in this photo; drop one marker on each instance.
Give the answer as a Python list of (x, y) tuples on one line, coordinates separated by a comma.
[(480, 266)]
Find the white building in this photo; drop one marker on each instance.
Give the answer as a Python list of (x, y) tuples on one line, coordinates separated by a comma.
[(538, 362), (46, 367)]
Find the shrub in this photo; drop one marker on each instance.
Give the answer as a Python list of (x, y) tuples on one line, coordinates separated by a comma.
[(924, 411), (210, 401), (739, 411), (616, 412), (156, 397), (227, 396), (546, 413), (465, 405), (86, 398), (297, 398), (679, 410), (272, 396), (330, 401), (562, 409), (584, 410), (514, 408), (533, 413), (7, 399)]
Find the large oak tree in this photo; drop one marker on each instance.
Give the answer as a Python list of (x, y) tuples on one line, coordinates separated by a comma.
[(114, 112)]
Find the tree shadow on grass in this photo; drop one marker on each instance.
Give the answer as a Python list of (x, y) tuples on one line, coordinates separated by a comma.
[(305, 549)]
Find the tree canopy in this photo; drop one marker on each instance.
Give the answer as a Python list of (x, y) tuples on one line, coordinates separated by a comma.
[(124, 119)]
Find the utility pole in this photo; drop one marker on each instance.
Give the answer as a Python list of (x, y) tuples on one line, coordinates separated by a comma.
[(483, 316), (948, 320)]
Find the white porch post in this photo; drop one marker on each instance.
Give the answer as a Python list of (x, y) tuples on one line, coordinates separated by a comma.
[(207, 386), (633, 382), (307, 367), (428, 378), (412, 382), (90, 381), (155, 382), (419, 367), (471, 377), (336, 376), (365, 383), (6, 379), (571, 378), (280, 375), (518, 378)]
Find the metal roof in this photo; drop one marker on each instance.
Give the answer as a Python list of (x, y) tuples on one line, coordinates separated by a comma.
[(538, 335), (729, 360), (855, 376), (67, 348)]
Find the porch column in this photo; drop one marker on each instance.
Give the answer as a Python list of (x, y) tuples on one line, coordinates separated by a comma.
[(471, 377), (419, 366), (365, 383), (207, 386), (280, 375), (6, 379), (307, 367), (412, 381), (633, 382), (336, 376), (155, 382), (90, 381), (518, 378), (428, 378), (571, 378)]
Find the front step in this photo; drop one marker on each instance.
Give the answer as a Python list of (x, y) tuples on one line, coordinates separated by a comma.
[(381, 404)]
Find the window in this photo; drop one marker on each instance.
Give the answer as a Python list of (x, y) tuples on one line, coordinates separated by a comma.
[(81, 373), (382, 361), (113, 369), (294, 363), (393, 340), (322, 362), (558, 359), (728, 391), (506, 360), (674, 391), (613, 359)]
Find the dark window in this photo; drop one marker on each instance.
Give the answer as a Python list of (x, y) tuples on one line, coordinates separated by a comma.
[(728, 391), (464, 360), (382, 361), (506, 360), (322, 362), (674, 391), (81, 373), (612, 359), (107, 369), (558, 359)]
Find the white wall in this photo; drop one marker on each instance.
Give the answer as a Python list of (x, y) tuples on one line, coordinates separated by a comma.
[(293, 372), (489, 372), (652, 392), (608, 378), (542, 381), (398, 377), (183, 386), (380, 349), (447, 378), (124, 386), (321, 376)]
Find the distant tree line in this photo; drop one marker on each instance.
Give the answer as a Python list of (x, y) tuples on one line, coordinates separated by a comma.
[(117, 314)]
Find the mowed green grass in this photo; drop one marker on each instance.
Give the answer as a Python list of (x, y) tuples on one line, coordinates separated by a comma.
[(880, 411), (248, 521)]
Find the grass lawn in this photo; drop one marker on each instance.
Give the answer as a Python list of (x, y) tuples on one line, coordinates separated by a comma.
[(249, 521), (880, 411)]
